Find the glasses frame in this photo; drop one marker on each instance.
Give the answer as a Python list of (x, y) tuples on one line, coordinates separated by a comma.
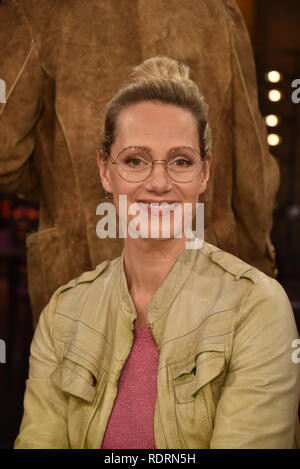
[(115, 162)]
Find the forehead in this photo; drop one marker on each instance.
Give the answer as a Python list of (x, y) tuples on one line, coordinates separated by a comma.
[(157, 125)]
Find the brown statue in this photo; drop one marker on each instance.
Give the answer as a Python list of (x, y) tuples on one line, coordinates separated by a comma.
[(62, 61)]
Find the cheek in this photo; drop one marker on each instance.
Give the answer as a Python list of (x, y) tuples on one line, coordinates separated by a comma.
[(192, 191), (123, 188), (119, 186)]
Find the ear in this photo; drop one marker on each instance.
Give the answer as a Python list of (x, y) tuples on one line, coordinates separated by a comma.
[(205, 172), (104, 171)]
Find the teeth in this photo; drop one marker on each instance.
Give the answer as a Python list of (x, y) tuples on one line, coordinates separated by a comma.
[(157, 204)]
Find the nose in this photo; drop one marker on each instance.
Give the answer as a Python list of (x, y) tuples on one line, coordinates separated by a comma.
[(158, 180)]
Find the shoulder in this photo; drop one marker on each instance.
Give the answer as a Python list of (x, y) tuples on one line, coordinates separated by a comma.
[(76, 291), (75, 305), (258, 302), (90, 276), (75, 301), (261, 293), (236, 268), (87, 277), (234, 281)]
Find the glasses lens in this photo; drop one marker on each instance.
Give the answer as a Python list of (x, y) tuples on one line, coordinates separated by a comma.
[(134, 164), (184, 164)]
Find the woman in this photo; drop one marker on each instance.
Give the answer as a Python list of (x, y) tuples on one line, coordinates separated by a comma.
[(163, 347)]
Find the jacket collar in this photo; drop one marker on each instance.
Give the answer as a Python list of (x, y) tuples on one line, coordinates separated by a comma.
[(162, 299)]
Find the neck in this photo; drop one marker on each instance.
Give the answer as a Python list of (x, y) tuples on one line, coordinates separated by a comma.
[(147, 262)]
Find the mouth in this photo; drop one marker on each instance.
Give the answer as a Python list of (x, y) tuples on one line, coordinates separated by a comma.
[(163, 207)]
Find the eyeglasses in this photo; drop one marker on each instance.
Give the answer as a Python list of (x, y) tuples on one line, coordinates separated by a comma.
[(135, 163)]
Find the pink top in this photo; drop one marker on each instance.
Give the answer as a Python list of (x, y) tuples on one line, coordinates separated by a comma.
[(131, 423)]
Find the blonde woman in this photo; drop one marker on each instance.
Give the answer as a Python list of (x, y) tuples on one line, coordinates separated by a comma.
[(163, 347)]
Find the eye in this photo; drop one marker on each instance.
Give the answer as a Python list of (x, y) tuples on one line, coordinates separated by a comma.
[(135, 162), (181, 163)]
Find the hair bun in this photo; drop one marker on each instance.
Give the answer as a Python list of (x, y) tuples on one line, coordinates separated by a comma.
[(159, 67)]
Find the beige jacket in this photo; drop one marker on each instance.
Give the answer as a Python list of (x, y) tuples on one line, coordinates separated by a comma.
[(226, 378), (62, 61)]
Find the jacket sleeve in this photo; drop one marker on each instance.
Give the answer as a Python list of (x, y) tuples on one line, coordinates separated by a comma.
[(255, 172), (260, 396), (44, 423), (21, 73)]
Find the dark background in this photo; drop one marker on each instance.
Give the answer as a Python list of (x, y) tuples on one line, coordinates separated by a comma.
[(274, 31)]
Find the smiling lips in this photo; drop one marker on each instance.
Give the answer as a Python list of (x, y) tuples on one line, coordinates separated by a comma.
[(158, 208)]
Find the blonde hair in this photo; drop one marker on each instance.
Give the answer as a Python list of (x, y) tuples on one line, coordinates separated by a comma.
[(161, 79)]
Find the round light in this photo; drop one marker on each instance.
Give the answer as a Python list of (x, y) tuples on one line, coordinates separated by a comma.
[(275, 95), (271, 120), (293, 211), (273, 76), (274, 140)]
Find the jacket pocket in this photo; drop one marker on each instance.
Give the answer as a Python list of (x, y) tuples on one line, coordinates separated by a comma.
[(85, 389), (194, 375), (197, 384), (74, 379)]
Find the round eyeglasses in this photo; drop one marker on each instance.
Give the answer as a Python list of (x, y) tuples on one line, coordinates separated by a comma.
[(134, 164)]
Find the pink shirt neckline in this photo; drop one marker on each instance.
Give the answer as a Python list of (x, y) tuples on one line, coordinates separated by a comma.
[(142, 332)]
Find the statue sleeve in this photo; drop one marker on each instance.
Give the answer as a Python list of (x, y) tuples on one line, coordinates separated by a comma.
[(20, 106), (256, 173)]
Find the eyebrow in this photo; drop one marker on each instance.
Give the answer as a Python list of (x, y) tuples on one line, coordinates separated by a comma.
[(143, 147)]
